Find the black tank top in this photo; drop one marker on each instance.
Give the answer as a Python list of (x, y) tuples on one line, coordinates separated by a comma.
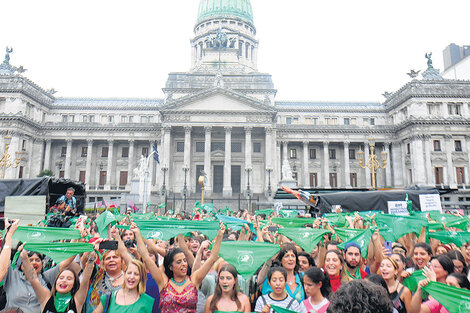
[(50, 307), (397, 302)]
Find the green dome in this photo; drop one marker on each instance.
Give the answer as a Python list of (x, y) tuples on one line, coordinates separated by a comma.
[(225, 8)]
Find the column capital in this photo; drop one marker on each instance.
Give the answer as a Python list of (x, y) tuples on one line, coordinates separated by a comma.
[(68, 140), (305, 142), (89, 141), (326, 142), (285, 142), (187, 129), (110, 142), (248, 129), (447, 137), (387, 143), (208, 129), (268, 129), (228, 129), (48, 140), (346, 142), (166, 128), (131, 141)]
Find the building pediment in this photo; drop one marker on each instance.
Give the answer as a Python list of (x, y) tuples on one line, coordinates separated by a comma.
[(216, 100)]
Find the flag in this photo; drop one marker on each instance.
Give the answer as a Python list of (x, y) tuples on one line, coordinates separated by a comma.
[(455, 300), (278, 309), (156, 157), (457, 237), (235, 223), (59, 251), (402, 225), (267, 212), (412, 281), (345, 234), (306, 238), (171, 228), (103, 221), (362, 239), (45, 234), (247, 256), (292, 222), (288, 213), (132, 206), (337, 219)]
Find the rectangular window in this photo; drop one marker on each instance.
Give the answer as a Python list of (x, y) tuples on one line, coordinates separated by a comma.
[(217, 146), (365, 121), (61, 174), (438, 175), (372, 121), (200, 146), (293, 153), (111, 119), (84, 152), (131, 119), (145, 151), (411, 175), (295, 120), (72, 118), (102, 178), (20, 173), (180, 146), (104, 152), (63, 151), (236, 147), (313, 180), (143, 119), (437, 145), (458, 145), (256, 147), (460, 175), (347, 121), (408, 148), (313, 154), (353, 121), (288, 120), (125, 152), (23, 145), (92, 118), (123, 119), (352, 154), (332, 154), (91, 199), (81, 176), (353, 179), (64, 118), (85, 118), (333, 180), (150, 118), (122, 178)]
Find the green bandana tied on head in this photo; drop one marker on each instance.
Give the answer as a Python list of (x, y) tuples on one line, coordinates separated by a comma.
[(61, 301)]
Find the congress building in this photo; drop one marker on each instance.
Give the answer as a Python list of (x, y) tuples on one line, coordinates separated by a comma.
[(222, 117)]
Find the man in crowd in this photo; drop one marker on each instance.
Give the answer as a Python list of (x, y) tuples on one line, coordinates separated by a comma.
[(70, 201)]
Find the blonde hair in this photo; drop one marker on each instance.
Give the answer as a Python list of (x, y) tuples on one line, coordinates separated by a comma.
[(142, 276)]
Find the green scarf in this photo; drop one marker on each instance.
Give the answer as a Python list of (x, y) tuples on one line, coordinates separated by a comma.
[(357, 275), (61, 301), (455, 300), (278, 309), (306, 238)]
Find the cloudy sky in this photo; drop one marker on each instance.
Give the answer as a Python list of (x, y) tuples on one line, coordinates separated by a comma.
[(336, 50)]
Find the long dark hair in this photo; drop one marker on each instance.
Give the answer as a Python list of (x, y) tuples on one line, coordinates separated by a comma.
[(286, 247), (76, 282), (456, 255), (316, 275), (462, 279), (168, 261), (218, 290), (445, 262)]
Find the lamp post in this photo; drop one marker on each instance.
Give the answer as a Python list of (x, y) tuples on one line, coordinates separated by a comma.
[(202, 182), (164, 169), (248, 189), (270, 192), (372, 163), (185, 188), (6, 159)]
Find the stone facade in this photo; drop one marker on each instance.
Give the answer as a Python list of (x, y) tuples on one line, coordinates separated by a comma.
[(222, 117)]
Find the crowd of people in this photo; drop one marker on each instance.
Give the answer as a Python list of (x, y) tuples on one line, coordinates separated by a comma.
[(129, 269)]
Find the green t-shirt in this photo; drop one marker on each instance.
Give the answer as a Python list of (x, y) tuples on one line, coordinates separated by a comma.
[(143, 305)]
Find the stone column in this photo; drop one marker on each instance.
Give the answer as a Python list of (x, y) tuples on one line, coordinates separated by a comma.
[(30, 152), (68, 161), (278, 162), (89, 158), (151, 165), (131, 162), (248, 149), (464, 107), (388, 166), (187, 146), (207, 159), (417, 160), (326, 165), (427, 160), (109, 167), (268, 155), (450, 164), (367, 170), (284, 153), (406, 178), (47, 155), (397, 159), (305, 171), (444, 110), (166, 149), (347, 170), (227, 188), (467, 138)]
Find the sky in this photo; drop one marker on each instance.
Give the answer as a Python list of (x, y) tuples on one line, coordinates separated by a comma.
[(335, 50)]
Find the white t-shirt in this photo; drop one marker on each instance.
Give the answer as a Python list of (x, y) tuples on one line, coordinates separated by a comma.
[(287, 303)]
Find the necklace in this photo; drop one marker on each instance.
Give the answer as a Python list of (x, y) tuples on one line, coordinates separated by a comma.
[(178, 284), (108, 282)]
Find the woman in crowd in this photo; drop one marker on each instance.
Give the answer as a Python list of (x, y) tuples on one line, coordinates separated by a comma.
[(288, 259), (227, 297), (459, 262), (305, 261), (132, 296), (421, 256), (399, 294), (442, 266), (177, 285), (317, 287), (334, 268), (68, 293), (401, 262), (19, 292), (277, 279)]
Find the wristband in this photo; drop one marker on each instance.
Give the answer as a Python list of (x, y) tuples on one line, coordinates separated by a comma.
[(6, 247)]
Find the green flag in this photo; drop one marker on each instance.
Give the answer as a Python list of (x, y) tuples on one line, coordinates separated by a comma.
[(306, 238), (457, 237), (247, 256), (412, 281), (455, 300), (278, 309), (292, 222), (45, 234), (268, 212), (450, 220), (362, 239), (402, 225), (338, 219), (347, 233), (288, 213), (103, 221), (59, 251), (167, 229)]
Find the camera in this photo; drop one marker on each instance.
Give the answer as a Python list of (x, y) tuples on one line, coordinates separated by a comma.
[(130, 243)]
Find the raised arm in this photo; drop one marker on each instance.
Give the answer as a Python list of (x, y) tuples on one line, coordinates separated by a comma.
[(156, 273), (5, 255), (121, 247), (81, 294), (198, 276), (42, 293), (183, 246)]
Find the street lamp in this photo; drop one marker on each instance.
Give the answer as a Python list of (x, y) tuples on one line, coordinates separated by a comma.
[(185, 189), (270, 192), (202, 182), (5, 160), (372, 163), (248, 189)]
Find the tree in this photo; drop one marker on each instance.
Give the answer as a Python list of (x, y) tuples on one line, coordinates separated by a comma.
[(45, 173)]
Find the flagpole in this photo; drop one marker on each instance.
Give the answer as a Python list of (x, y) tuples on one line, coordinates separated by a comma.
[(146, 174)]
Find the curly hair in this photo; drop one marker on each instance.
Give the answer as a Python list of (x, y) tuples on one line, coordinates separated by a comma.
[(168, 262), (360, 296)]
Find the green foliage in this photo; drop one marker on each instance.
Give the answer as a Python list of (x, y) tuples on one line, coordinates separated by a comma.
[(45, 173)]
